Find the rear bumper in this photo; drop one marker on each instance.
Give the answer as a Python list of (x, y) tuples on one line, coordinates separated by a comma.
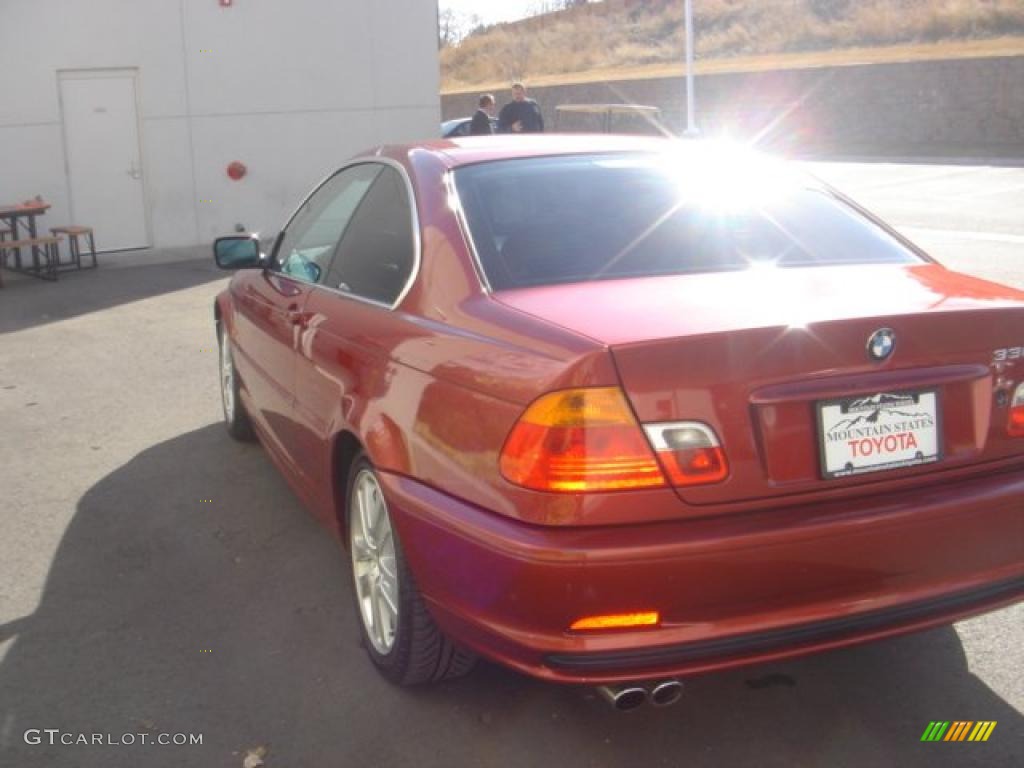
[(858, 625), (731, 590)]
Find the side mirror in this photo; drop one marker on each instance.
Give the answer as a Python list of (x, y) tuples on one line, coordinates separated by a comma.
[(238, 252)]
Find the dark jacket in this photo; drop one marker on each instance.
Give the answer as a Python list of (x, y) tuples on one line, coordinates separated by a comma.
[(481, 124), (526, 112)]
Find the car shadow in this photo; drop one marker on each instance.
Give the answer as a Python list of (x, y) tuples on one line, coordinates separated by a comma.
[(26, 302), (192, 594)]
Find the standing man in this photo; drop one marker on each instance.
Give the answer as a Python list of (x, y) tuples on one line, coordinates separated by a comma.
[(521, 115), (481, 123)]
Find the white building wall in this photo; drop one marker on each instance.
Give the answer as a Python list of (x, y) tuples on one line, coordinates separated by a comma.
[(289, 88)]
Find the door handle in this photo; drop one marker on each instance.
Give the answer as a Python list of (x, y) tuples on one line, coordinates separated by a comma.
[(297, 317)]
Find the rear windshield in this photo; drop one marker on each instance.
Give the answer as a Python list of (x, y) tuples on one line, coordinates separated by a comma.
[(539, 221)]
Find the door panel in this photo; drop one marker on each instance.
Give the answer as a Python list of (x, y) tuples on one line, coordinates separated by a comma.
[(266, 333), (343, 363), (343, 370), (272, 312), (104, 162)]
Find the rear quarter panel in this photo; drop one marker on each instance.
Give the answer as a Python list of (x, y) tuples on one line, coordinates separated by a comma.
[(432, 389)]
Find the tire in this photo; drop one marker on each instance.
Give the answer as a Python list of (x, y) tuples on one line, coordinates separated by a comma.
[(236, 418), (395, 627)]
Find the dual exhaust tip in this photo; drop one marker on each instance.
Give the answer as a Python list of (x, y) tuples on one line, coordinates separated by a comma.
[(623, 698)]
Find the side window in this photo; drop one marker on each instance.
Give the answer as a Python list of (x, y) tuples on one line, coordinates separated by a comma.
[(311, 237), (375, 256)]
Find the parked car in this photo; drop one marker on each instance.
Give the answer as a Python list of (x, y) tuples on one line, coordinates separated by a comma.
[(451, 129), (616, 410)]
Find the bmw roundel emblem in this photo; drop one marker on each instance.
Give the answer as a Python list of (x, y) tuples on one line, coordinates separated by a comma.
[(881, 344)]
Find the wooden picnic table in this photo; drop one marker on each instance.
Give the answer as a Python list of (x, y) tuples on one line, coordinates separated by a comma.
[(27, 211)]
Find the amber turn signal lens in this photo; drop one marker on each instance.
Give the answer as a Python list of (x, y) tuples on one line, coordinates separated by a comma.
[(580, 440), (1015, 425), (617, 621)]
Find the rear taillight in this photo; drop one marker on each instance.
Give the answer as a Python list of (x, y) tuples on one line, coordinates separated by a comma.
[(580, 440), (1015, 425), (689, 452)]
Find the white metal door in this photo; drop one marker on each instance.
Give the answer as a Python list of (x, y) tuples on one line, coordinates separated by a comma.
[(104, 162)]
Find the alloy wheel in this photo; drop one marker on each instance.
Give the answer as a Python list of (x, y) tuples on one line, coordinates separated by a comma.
[(227, 377), (373, 562)]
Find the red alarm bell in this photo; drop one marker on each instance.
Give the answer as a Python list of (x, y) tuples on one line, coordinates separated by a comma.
[(237, 170)]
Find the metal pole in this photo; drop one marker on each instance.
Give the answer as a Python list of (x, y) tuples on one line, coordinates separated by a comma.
[(691, 120)]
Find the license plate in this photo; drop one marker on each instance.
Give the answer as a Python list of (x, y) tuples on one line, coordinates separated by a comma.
[(877, 432)]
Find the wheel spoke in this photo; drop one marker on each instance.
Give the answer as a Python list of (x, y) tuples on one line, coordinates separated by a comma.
[(361, 553), (387, 566), (365, 584), (390, 622), (381, 525), (375, 607), (364, 516), (374, 513), (387, 589)]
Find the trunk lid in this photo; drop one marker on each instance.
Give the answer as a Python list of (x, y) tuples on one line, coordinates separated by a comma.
[(776, 362)]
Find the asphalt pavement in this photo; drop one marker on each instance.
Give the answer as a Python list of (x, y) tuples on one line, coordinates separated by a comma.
[(158, 578)]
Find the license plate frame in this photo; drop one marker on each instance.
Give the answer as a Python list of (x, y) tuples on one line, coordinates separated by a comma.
[(880, 425)]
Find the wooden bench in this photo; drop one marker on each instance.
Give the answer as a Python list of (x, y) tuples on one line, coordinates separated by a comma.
[(44, 249), (73, 232)]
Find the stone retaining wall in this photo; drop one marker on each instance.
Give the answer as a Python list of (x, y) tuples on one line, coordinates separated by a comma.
[(951, 108)]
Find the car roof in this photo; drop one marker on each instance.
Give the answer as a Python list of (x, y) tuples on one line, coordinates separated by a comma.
[(468, 150)]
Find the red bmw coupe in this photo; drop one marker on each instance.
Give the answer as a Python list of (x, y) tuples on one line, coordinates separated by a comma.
[(619, 410)]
